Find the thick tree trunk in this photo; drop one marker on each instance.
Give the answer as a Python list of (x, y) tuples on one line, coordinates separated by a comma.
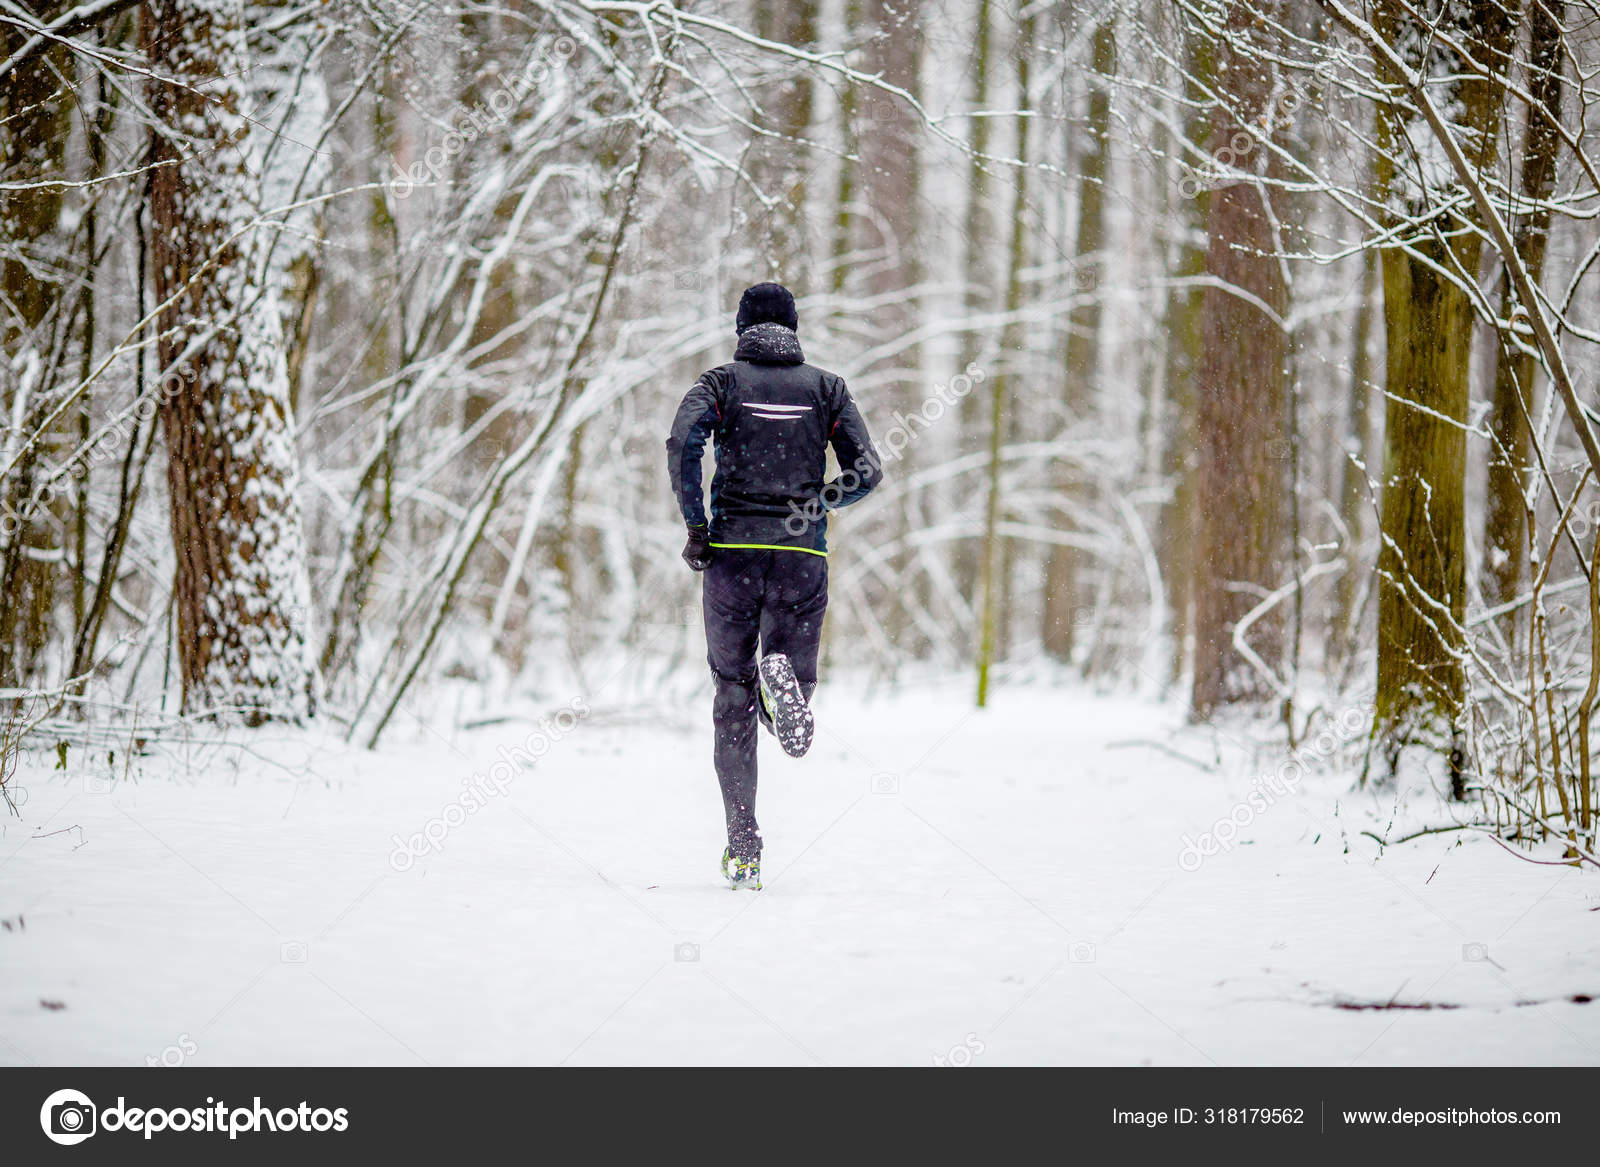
[(1240, 475), (1428, 320), (888, 136), (1422, 563), (242, 591), (888, 133)]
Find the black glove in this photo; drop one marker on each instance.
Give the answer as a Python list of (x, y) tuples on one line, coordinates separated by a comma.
[(697, 551)]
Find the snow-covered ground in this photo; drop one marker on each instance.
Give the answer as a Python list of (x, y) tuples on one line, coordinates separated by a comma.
[(942, 885)]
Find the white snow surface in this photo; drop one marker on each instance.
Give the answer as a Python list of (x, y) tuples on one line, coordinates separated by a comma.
[(942, 885)]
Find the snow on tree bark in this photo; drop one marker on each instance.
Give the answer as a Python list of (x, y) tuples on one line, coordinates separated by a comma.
[(243, 593), (289, 111)]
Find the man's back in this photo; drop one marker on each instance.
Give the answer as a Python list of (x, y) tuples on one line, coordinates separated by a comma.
[(772, 417)]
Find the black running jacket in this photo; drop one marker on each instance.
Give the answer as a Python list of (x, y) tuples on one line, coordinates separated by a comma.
[(774, 417)]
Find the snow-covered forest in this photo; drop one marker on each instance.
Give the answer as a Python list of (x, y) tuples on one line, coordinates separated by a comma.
[(1231, 367)]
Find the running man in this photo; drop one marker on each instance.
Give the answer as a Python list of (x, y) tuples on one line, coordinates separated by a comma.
[(764, 550)]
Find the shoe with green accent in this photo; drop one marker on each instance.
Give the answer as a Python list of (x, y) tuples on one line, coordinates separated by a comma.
[(741, 873), (784, 702)]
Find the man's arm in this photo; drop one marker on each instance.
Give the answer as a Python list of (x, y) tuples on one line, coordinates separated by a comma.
[(860, 468), (697, 416)]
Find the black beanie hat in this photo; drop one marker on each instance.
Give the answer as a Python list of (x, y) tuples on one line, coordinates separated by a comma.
[(762, 303)]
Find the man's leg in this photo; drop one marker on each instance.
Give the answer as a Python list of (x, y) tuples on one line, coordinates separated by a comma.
[(731, 601), (794, 601)]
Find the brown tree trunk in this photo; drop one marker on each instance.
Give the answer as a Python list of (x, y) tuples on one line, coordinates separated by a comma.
[(1242, 382), (888, 132), (242, 590)]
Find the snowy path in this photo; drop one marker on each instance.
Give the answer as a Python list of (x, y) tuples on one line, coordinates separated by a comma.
[(1010, 894)]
